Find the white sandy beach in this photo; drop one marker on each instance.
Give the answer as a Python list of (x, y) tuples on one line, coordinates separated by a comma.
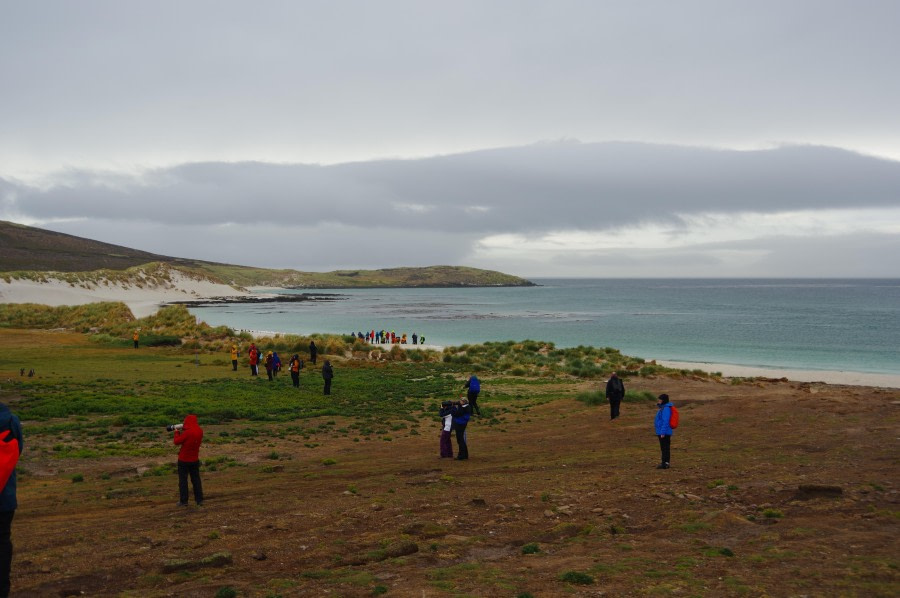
[(143, 301), (828, 377)]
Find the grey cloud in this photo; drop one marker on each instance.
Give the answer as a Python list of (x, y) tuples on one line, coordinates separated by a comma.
[(532, 189)]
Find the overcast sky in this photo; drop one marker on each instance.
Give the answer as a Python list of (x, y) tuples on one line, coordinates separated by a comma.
[(647, 138)]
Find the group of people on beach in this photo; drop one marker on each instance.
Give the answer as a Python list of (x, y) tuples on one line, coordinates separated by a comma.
[(388, 337), (271, 361)]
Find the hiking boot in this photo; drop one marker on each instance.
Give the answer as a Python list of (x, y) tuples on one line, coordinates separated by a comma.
[(662, 466), (199, 503), (180, 504)]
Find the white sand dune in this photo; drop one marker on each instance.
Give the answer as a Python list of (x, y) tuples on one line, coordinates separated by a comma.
[(143, 300), (826, 376)]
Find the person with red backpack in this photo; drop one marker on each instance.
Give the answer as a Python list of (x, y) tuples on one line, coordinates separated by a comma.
[(666, 422), (12, 445)]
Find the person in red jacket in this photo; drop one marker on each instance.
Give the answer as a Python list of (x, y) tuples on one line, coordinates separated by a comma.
[(253, 352), (189, 437)]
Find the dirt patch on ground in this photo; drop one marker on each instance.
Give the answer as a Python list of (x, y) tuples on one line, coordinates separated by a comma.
[(562, 502)]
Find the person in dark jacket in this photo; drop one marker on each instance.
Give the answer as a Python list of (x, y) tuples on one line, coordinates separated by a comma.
[(664, 429), (296, 366), (313, 351), (461, 413), (327, 375), (615, 392), (10, 431), (474, 386), (190, 436)]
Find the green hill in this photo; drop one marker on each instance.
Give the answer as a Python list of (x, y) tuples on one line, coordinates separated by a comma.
[(26, 250)]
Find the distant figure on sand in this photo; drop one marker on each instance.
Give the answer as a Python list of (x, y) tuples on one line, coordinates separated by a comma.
[(313, 350), (615, 392), (663, 426), (474, 386), (135, 337), (446, 414), (327, 375), (234, 356), (415, 338)]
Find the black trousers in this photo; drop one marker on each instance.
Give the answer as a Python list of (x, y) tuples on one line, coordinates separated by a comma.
[(614, 408), (6, 549), (462, 448), (185, 469), (328, 386), (473, 400), (665, 446), (295, 376), (312, 358), (234, 365)]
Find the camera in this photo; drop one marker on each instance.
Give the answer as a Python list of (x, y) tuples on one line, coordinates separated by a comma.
[(174, 427)]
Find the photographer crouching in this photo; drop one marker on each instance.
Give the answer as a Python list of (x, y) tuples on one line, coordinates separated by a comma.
[(189, 435)]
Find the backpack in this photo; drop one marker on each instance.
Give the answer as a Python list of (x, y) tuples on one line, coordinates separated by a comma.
[(673, 417), (9, 456)]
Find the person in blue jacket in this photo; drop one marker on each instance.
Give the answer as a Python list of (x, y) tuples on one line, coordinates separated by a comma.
[(10, 430), (663, 429), (474, 386), (461, 413)]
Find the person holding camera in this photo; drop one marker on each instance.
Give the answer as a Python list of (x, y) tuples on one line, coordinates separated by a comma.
[(189, 435), (461, 413)]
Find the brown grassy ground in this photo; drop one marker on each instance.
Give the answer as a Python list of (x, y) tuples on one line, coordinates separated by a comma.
[(331, 516)]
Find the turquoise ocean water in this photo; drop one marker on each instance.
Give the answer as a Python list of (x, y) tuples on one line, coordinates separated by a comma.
[(850, 325)]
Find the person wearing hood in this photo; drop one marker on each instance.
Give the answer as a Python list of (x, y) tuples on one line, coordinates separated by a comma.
[(664, 429), (189, 437), (11, 436), (253, 353), (615, 392), (234, 355), (313, 351), (473, 386), (276, 363), (327, 375)]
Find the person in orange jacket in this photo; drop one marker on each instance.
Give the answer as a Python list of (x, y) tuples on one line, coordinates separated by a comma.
[(189, 436)]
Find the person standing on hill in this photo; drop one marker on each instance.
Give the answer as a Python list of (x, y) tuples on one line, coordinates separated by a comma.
[(663, 426), (276, 363), (190, 436), (327, 375), (313, 350), (269, 363), (253, 353), (474, 386), (615, 392), (234, 356), (13, 443), (446, 414), (136, 337), (295, 366)]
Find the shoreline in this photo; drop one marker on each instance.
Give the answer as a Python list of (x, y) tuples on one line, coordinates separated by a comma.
[(836, 377)]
